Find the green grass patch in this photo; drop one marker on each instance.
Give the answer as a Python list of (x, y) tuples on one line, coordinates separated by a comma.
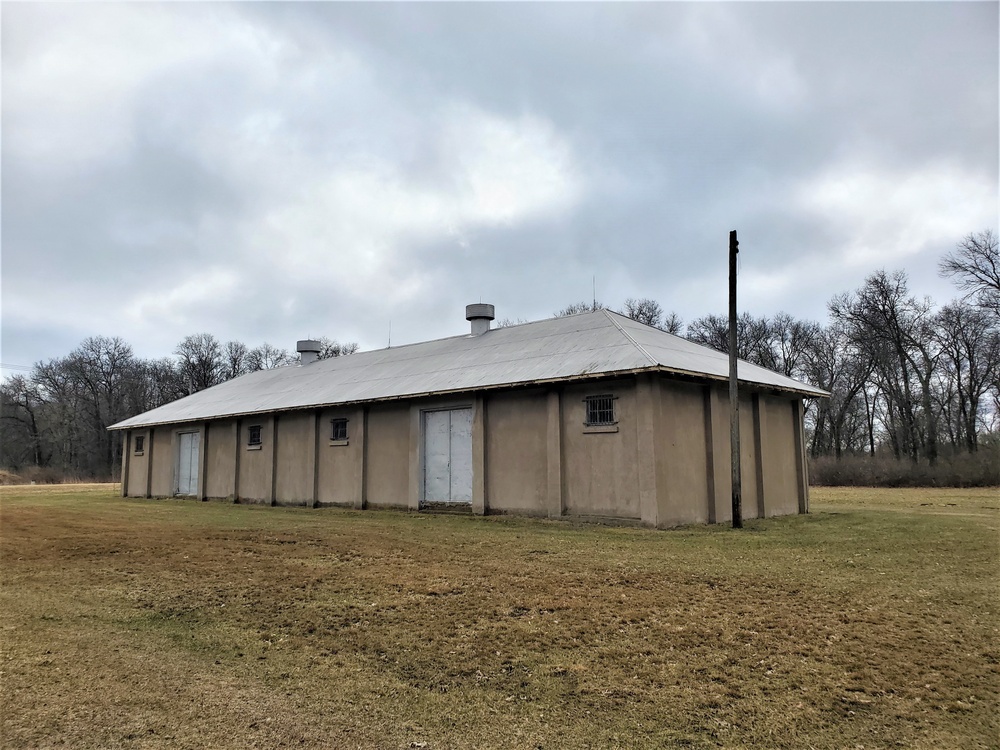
[(162, 623)]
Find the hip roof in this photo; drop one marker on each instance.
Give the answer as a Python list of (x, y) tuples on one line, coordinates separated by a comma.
[(594, 344)]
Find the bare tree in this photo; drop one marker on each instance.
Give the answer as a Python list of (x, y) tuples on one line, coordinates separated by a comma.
[(711, 331), (508, 322), (752, 334), (645, 311), (329, 348), (20, 407), (103, 369), (754, 341), (267, 357), (896, 331), (159, 382), (970, 343), (234, 360), (581, 307), (842, 422), (200, 359), (62, 424), (791, 341), (59, 414), (974, 265), (673, 323)]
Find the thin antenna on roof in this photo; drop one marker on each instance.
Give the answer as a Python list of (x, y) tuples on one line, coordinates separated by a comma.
[(593, 305), (389, 346)]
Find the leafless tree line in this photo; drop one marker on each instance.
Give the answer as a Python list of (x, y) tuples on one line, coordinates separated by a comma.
[(906, 377), (57, 416)]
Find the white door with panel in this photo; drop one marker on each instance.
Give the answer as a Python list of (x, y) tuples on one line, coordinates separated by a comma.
[(188, 444), (448, 456)]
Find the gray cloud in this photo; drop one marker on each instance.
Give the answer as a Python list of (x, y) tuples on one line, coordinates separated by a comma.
[(270, 171)]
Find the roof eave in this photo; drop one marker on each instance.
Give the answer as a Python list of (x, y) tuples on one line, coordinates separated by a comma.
[(499, 386)]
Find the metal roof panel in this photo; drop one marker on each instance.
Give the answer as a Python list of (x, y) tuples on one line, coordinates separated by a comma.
[(589, 344)]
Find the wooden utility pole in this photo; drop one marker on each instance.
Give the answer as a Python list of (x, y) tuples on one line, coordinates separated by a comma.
[(734, 397)]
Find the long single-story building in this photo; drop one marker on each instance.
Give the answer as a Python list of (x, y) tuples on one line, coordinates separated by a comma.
[(591, 415)]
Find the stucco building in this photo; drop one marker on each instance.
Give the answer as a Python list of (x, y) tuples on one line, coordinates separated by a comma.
[(590, 415)]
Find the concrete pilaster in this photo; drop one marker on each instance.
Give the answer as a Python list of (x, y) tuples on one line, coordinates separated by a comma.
[(722, 474), (126, 453), (480, 502), (149, 463), (362, 498), (710, 457), (801, 462), (555, 504), (239, 452), (759, 441), (274, 460), (647, 417), (315, 459), (203, 462), (415, 485)]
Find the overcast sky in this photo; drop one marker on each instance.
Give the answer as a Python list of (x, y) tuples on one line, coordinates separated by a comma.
[(270, 172)]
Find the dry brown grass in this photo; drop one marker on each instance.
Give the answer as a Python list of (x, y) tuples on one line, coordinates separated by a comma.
[(983, 502), (156, 624)]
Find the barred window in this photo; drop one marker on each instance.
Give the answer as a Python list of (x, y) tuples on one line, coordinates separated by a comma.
[(140, 441), (338, 429), (253, 435), (600, 410)]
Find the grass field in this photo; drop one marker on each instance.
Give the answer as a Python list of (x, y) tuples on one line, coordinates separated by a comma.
[(872, 622)]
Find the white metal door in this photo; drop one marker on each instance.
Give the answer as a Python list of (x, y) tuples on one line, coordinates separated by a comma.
[(448, 456), (437, 456), (187, 463), (461, 455)]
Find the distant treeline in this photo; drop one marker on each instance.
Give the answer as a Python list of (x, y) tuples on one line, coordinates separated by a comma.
[(55, 419), (911, 383), (909, 380)]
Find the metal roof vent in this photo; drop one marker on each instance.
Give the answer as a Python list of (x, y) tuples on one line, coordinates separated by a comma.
[(480, 316), (308, 351)]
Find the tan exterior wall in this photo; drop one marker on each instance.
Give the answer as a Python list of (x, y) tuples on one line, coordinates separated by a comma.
[(779, 452), (682, 456), (388, 447), (163, 443), (296, 458), (719, 471), (770, 451), (600, 475), (256, 461), (748, 457), (801, 463), (340, 467), (516, 457), (162, 484), (138, 464), (666, 462), (220, 475)]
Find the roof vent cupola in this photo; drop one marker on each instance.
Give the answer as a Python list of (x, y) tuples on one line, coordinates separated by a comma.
[(308, 350), (480, 316)]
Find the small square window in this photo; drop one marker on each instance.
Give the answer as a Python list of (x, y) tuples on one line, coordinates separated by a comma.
[(253, 434), (600, 410), (338, 429), (140, 442)]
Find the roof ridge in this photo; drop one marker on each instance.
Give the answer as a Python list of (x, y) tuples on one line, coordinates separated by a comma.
[(466, 335), (636, 344)]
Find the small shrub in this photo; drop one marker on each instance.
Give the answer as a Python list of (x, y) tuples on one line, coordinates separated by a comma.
[(9, 477), (46, 475), (980, 469)]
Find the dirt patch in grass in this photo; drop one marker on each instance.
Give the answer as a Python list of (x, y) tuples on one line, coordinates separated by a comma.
[(150, 624)]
